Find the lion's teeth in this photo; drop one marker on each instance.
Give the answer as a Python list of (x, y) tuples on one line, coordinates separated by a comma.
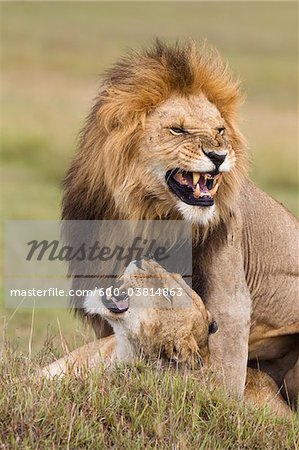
[(196, 192), (196, 177), (179, 177)]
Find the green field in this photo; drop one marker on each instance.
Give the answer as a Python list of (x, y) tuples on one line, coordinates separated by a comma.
[(52, 58)]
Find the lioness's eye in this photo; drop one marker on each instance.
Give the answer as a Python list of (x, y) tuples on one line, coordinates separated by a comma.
[(176, 131), (221, 131)]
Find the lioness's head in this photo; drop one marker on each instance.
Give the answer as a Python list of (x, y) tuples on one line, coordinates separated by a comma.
[(160, 317), (161, 140)]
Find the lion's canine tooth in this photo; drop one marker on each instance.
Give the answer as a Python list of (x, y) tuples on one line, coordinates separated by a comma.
[(196, 193), (196, 177)]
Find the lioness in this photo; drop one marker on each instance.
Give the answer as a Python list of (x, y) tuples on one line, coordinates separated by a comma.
[(169, 329), (162, 142)]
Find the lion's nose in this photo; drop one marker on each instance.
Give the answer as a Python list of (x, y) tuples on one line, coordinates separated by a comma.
[(216, 159)]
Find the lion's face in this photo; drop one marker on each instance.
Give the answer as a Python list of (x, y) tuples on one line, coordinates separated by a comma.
[(161, 142), (187, 149)]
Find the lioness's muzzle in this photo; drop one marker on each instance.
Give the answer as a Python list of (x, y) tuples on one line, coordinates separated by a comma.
[(116, 305)]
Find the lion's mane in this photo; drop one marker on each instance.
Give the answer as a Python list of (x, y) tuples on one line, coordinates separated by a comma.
[(113, 131)]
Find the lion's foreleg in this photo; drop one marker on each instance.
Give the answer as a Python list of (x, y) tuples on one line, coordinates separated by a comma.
[(229, 346), (229, 302)]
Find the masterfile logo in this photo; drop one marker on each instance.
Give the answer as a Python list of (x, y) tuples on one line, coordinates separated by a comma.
[(44, 256)]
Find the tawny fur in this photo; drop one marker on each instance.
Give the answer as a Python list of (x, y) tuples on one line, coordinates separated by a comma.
[(244, 249), (174, 333), (106, 180)]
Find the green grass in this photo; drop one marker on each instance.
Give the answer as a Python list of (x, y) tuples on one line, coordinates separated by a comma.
[(52, 55), (163, 410)]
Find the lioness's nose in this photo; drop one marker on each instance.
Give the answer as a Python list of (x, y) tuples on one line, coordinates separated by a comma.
[(216, 158)]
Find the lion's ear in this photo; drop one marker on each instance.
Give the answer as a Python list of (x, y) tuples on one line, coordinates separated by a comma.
[(106, 117)]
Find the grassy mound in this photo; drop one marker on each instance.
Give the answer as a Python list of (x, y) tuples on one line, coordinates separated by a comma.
[(131, 407)]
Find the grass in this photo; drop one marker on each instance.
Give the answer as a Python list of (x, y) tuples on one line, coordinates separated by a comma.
[(52, 55), (163, 410)]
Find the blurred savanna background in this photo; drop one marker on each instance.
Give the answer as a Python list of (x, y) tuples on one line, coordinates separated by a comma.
[(52, 58)]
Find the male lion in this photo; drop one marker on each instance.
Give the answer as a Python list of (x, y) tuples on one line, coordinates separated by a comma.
[(162, 142)]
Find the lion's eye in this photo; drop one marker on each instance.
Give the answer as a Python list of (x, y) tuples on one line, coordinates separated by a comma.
[(176, 131), (221, 131)]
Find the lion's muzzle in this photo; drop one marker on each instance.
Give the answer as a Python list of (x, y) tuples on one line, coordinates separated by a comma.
[(194, 188)]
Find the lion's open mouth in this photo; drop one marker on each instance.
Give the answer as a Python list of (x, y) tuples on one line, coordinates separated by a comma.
[(193, 188), (116, 305)]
